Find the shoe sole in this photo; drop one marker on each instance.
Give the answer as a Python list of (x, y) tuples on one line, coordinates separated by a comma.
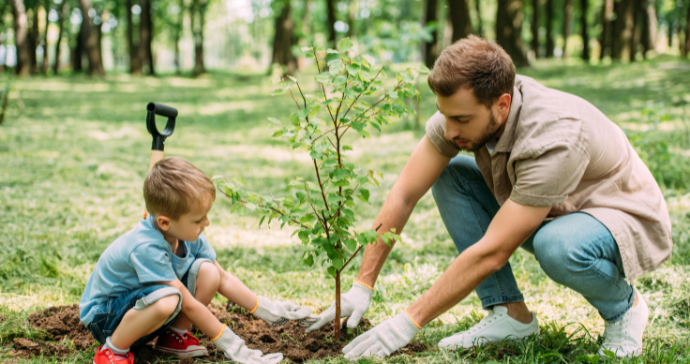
[(182, 353), (507, 339)]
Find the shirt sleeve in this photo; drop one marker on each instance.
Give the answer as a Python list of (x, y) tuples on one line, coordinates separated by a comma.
[(548, 179), (152, 264), (205, 250), (436, 132)]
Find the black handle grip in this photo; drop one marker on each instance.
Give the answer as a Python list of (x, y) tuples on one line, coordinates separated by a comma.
[(154, 109)]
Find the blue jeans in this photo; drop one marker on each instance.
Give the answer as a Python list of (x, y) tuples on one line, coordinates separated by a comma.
[(110, 314), (575, 250)]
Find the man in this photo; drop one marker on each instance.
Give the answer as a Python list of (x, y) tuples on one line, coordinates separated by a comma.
[(550, 173)]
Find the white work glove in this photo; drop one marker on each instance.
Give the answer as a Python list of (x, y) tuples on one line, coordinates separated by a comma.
[(353, 304), (233, 348), (278, 313), (384, 339)]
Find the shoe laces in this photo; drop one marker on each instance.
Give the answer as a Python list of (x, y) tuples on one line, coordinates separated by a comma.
[(491, 317), (615, 333)]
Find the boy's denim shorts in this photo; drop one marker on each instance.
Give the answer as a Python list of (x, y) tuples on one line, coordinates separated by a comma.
[(110, 313)]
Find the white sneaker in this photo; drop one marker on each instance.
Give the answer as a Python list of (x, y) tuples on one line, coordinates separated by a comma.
[(495, 327), (624, 337)]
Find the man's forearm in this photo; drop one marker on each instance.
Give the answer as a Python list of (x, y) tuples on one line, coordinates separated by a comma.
[(468, 270), (393, 215)]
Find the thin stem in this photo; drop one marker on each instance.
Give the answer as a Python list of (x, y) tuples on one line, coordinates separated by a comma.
[(323, 88), (365, 90), (243, 202), (323, 194), (294, 99), (340, 207)]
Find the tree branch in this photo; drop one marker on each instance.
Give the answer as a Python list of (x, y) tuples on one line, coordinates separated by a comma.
[(243, 202), (323, 194), (356, 251), (323, 88)]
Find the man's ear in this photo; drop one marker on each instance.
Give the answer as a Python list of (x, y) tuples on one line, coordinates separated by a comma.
[(503, 104), (163, 222)]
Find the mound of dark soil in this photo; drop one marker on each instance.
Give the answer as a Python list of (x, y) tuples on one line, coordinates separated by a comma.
[(63, 323)]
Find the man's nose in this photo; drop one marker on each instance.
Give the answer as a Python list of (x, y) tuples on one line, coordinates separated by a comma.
[(452, 131)]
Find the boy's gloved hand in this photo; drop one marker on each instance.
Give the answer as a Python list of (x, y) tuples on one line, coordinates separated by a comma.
[(353, 304), (278, 313), (233, 348)]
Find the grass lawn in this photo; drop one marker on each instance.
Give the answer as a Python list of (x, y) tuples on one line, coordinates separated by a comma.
[(74, 153)]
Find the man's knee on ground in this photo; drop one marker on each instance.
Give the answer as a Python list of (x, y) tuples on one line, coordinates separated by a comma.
[(208, 277), (165, 306)]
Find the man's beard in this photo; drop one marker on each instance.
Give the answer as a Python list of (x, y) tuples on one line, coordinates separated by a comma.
[(491, 130)]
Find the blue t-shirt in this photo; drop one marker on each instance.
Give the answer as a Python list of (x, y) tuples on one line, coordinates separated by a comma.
[(138, 258)]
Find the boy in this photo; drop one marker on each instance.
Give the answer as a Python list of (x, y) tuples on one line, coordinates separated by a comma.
[(156, 280)]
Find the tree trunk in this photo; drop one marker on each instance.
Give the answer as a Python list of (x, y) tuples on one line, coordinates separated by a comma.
[(20, 38), (61, 23), (637, 25), (480, 27), (649, 26), (284, 38), (330, 9), (99, 43), (351, 19), (198, 9), (33, 39), (606, 36), (3, 7), (336, 322), (567, 19), (77, 54), (534, 27), (549, 29), (686, 49), (90, 40), (430, 48), (145, 36), (623, 29), (132, 48), (583, 29), (460, 17), (509, 18), (44, 42)]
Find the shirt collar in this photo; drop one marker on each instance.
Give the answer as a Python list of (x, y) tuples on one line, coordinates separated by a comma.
[(507, 139)]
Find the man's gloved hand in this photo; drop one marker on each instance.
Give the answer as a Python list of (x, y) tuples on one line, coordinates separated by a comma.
[(233, 347), (353, 304), (278, 313), (383, 339)]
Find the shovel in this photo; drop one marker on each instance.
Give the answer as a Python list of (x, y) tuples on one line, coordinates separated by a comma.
[(158, 144)]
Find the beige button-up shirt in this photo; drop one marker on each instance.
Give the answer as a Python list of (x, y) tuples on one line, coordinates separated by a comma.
[(559, 150)]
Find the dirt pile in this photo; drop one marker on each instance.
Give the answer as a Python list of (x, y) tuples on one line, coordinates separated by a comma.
[(63, 323)]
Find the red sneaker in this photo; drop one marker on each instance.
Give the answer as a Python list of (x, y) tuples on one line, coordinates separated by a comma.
[(181, 345), (108, 357)]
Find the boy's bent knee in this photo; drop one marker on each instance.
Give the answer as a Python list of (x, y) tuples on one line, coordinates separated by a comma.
[(166, 306)]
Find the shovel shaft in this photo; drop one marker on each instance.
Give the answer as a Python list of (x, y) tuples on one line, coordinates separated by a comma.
[(156, 156)]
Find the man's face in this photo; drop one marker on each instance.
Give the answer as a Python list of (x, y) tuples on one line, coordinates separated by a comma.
[(469, 123), (190, 225)]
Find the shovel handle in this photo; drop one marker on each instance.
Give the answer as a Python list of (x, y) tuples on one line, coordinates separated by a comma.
[(156, 156)]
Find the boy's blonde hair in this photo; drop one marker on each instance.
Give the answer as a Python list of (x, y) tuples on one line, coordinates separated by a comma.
[(174, 186)]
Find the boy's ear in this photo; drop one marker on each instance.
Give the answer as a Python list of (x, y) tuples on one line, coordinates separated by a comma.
[(163, 222)]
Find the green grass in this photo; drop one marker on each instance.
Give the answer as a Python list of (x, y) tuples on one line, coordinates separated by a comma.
[(74, 152)]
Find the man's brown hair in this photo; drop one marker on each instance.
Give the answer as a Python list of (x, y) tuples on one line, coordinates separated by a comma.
[(174, 186), (473, 63)]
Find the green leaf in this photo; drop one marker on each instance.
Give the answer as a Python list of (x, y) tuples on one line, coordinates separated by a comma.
[(278, 133), (350, 244), (371, 60), (340, 173), (346, 147), (338, 263), (331, 271), (261, 221), (588, 358), (250, 206), (301, 195), (345, 45), (275, 121), (303, 235), (309, 260), (323, 78), (363, 194), (353, 69)]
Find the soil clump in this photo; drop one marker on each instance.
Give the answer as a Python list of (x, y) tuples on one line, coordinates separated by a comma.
[(64, 329)]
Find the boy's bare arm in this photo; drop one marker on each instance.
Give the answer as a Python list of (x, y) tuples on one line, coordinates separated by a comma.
[(235, 291), (200, 316)]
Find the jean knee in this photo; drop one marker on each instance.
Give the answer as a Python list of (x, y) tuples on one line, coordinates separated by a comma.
[(460, 167), (553, 256)]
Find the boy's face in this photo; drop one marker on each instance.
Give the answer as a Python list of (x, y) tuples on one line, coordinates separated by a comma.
[(190, 225)]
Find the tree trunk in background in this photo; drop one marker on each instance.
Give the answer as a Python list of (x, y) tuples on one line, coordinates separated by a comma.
[(606, 36), (351, 19), (549, 29), (3, 7), (509, 18), (330, 9), (534, 27), (44, 40), (460, 17), (61, 24), (179, 28), (478, 10), (284, 39), (90, 40), (583, 29), (99, 43), (430, 49), (132, 49), (671, 24), (23, 67), (686, 49), (649, 26), (198, 9), (623, 29), (145, 36), (33, 39), (77, 54), (637, 29), (567, 20)]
